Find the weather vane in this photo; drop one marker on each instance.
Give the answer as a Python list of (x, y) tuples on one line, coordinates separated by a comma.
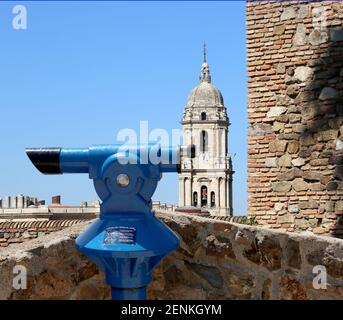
[(204, 51)]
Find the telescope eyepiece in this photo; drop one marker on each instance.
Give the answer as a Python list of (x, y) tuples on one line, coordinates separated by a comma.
[(46, 160)]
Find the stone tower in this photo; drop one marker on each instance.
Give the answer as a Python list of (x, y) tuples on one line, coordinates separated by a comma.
[(206, 181)]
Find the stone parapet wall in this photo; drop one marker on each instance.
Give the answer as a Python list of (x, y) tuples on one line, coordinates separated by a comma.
[(295, 114), (216, 260)]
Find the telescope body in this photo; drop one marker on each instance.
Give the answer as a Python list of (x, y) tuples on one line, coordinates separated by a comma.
[(127, 241)]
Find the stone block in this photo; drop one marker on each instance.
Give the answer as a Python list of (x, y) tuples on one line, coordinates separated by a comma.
[(278, 146), (312, 175), (339, 145), (279, 206), (332, 186), (319, 162), (317, 37), (298, 162), (276, 111), (291, 289), (278, 126), (210, 274), (260, 129), (281, 68), (285, 161), (316, 186), (328, 93), (288, 13), (293, 147), (333, 261), (282, 186), (242, 239), (282, 118), (265, 251), (304, 96), (306, 139), (271, 162), (299, 185), (294, 118), (299, 128), (336, 159), (327, 135), (292, 90), (301, 224), (338, 173), (293, 254), (283, 100), (280, 29), (290, 174), (319, 230), (336, 34), (338, 205), (300, 37), (303, 11), (303, 74), (293, 208)]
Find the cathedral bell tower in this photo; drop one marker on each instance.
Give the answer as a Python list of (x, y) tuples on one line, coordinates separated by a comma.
[(206, 181)]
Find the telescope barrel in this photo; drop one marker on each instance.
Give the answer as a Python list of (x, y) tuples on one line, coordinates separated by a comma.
[(59, 160), (79, 160), (74, 160)]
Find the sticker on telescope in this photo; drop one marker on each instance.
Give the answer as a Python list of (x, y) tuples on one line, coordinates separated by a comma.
[(120, 235)]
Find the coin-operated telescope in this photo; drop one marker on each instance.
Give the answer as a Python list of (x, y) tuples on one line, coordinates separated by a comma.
[(127, 241)]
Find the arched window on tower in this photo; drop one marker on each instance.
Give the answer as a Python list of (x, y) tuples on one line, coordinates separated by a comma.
[(203, 141), (203, 116), (195, 199), (203, 196), (213, 199)]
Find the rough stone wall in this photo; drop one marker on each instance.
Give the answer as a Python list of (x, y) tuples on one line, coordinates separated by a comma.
[(295, 112), (216, 260)]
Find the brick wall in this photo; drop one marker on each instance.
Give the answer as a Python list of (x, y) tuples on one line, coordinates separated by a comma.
[(12, 232), (295, 112)]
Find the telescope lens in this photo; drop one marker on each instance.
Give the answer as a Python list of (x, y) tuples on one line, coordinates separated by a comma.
[(46, 160)]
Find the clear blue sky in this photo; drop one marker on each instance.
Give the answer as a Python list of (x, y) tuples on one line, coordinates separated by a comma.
[(84, 70)]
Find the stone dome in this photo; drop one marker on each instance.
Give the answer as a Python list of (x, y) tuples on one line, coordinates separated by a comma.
[(205, 95)]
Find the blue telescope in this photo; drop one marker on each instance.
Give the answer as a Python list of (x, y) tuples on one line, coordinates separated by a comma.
[(127, 241)]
